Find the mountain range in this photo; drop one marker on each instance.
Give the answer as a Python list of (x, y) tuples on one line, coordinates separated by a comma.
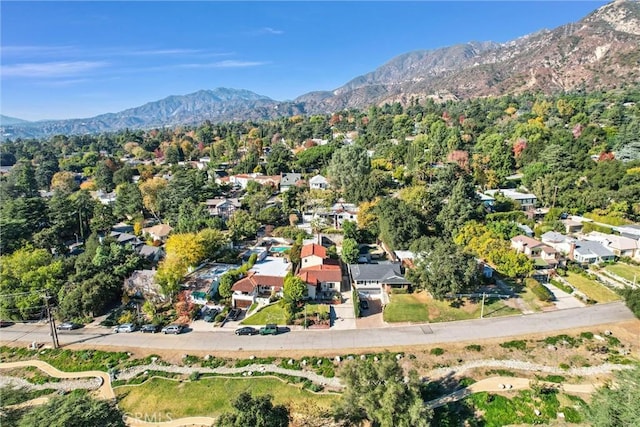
[(599, 52)]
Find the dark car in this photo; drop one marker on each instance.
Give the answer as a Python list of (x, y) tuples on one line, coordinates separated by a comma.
[(152, 329), (210, 316), (234, 314), (364, 304), (247, 330), (172, 329), (68, 326), (5, 323), (269, 329)]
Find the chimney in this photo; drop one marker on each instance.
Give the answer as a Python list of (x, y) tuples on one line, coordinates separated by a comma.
[(572, 247)]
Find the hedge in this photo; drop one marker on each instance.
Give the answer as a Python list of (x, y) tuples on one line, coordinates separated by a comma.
[(538, 289), (356, 302)]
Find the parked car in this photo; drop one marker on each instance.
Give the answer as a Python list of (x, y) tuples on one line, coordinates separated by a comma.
[(364, 304), (172, 329), (67, 326), (149, 329), (210, 315), (247, 330), (234, 314), (5, 323), (269, 329), (125, 327)]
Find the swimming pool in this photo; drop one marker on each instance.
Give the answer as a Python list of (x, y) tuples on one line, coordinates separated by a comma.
[(278, 249)]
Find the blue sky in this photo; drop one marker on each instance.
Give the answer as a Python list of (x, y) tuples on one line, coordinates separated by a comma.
[(79, 59)]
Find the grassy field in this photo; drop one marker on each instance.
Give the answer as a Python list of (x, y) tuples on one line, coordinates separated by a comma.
[(211, 396), (422, 308), (626, 271), (591, 288), (276, 314)]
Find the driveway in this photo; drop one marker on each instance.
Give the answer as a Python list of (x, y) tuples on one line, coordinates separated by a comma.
[(562, 299), (342, 315), (372, 317)]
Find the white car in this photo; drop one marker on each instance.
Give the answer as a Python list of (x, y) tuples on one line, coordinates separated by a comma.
[(125, 327)]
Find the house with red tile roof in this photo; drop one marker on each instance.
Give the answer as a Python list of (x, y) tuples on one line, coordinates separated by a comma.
[(248, 289), (322, 274)]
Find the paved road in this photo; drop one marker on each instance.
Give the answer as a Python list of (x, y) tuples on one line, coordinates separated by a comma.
[(223, 340)]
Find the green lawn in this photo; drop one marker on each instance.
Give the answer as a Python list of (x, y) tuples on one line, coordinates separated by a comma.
[(421, 308), (406, 308), (212, 396), (275, 314), (271, 314), (591, 288), (626, 271)]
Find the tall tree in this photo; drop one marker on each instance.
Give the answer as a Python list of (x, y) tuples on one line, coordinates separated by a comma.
[(616, 404), (384, 394), (295, 290), (350, 251), (442, 268), (463, 205), (348, 165), (256, 411)]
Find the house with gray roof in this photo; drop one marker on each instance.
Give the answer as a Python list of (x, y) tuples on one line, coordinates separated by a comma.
[(558, 241), (375, 279), (590, 252), (288, 180)]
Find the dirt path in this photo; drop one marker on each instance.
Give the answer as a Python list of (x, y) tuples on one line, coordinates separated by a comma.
[(191, 421), (501, 384), (104, 391)]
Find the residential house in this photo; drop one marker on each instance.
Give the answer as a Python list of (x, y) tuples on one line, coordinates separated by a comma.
[(322, 275), (571, 226), (255, 287), (339, 213), (375, 280), (158, 232), (312, 255), (222, 207), (486, 200), (288, 180), (527, 201), (142, 284), (104, 198), (126, 239), (318, 182), (558, 241), (241, 180), (525, 229), (590, 252), (150, 253), (620, 246), (323, 281), (544, 257)]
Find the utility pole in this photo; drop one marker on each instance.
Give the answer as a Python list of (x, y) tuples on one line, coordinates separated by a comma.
[(52, 323)]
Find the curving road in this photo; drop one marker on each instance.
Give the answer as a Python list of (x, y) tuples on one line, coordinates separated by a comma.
[(225, 340)]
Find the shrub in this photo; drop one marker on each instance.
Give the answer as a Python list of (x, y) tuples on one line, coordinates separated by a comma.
[(587, 335), (356, 302), (195, 376), (538, 289), (437, 351), (220, 317), (517, 344), (474, 347)]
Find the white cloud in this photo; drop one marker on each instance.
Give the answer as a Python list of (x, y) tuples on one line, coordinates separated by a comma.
[(269, 30), (50, 69), (229, 63)]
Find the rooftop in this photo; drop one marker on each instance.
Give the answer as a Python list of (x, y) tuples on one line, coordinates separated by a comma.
[(388, 273), (272, 266)]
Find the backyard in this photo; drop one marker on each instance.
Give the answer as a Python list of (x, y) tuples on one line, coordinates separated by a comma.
[(211, 396), (591, 288), (420, 307)]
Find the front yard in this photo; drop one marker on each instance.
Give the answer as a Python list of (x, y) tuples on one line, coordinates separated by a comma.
[(591, 288), (275, 313), (211, 396), (420, 307), (626, 271)]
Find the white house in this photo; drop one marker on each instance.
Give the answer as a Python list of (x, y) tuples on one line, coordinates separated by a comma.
[(288, 180), (526, 200), (318, 182), (558, 241), (248, 290), (590, 252), (620, 246), (377, 279)]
